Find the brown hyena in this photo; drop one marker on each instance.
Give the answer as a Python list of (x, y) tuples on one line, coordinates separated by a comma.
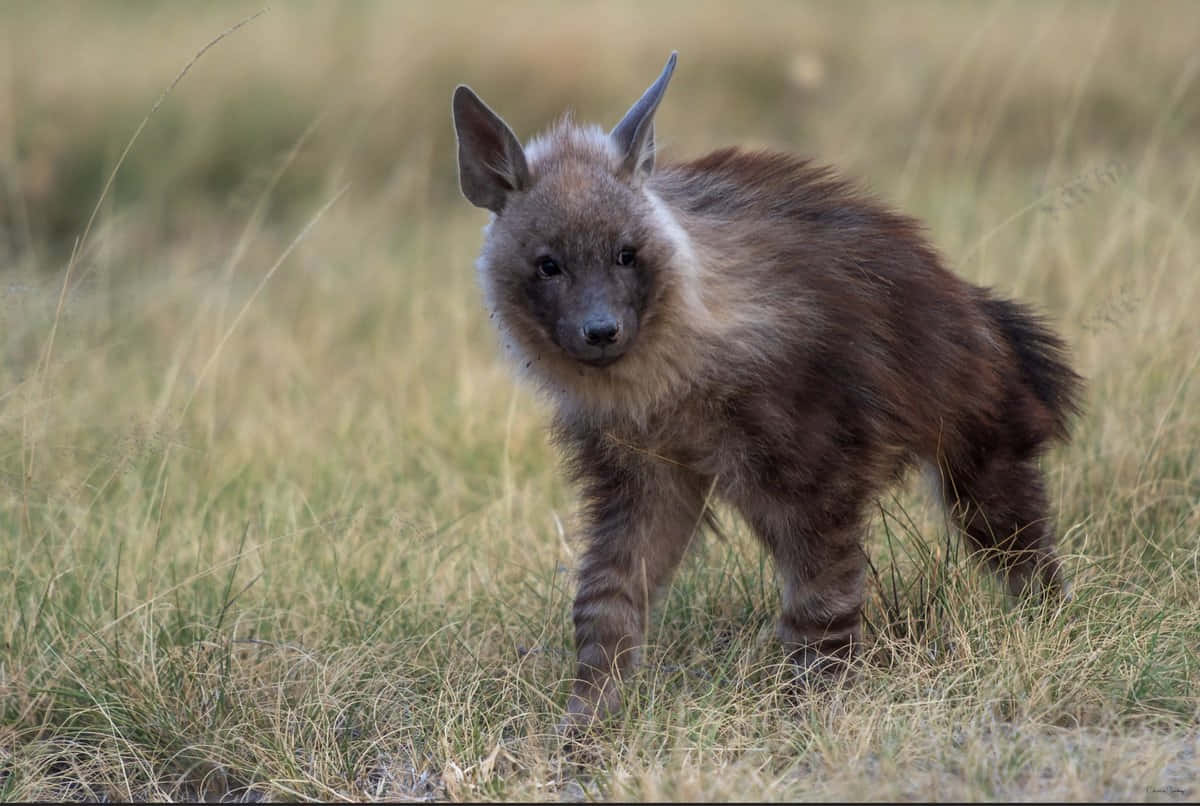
[(750, 326)]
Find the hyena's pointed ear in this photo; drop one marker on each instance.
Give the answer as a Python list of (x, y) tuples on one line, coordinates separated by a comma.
[(634, 135), (491, 162)]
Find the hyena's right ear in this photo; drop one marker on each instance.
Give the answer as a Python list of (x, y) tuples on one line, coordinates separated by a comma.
[(491, 162), (634, 135)]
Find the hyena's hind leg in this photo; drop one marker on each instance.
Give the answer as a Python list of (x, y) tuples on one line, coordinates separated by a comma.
[(1001, 504)]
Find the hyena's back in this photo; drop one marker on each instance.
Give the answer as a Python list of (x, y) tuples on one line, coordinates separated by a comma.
[(842, 306), (847, 351)]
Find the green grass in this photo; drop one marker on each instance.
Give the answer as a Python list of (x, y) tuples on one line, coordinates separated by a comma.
[(276, 521)]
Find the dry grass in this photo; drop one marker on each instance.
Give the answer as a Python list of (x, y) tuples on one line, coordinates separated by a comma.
[(276, 522)]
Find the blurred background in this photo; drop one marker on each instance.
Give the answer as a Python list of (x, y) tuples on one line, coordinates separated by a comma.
[(922, 99)]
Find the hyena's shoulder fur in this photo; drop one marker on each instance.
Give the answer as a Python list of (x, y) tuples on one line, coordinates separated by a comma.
[(747, 325)]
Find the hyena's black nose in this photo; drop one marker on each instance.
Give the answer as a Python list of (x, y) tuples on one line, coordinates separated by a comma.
[(601, 331)]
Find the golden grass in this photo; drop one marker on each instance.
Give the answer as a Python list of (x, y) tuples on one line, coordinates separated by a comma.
[(277, 522)]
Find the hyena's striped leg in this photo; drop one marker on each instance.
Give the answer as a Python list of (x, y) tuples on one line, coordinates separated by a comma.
[(639, 527), (821, 575), (1002, 507)]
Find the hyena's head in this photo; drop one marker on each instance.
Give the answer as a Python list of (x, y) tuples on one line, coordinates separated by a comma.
[(579, 251)]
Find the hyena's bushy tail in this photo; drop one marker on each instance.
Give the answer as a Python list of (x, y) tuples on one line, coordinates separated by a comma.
[(1042, 364)]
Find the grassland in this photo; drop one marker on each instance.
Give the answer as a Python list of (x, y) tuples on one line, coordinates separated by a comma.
[(275, 522)]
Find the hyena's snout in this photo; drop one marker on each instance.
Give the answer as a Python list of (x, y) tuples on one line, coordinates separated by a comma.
[(601, 331), (599, 336)]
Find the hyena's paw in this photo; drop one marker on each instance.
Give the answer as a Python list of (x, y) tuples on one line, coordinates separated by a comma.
[(821, 652), (589, 706), (581, 716), (577, 742), (822, 674), (819, 667), (1038, 578), (577, 730)]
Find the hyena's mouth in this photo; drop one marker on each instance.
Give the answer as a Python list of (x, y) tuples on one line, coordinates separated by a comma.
[(602, 360)]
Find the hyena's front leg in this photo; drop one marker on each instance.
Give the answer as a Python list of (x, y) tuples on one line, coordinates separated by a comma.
[(638, 527), (821, 574)]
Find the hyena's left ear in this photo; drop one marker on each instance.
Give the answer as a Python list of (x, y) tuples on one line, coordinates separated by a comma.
[(491, 162), (634, 135)]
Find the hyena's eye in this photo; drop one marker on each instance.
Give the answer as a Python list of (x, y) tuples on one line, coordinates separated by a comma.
[(627, 256), (548, 267)]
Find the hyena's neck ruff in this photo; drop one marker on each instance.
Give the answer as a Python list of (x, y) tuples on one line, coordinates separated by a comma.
[(749, 325)]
